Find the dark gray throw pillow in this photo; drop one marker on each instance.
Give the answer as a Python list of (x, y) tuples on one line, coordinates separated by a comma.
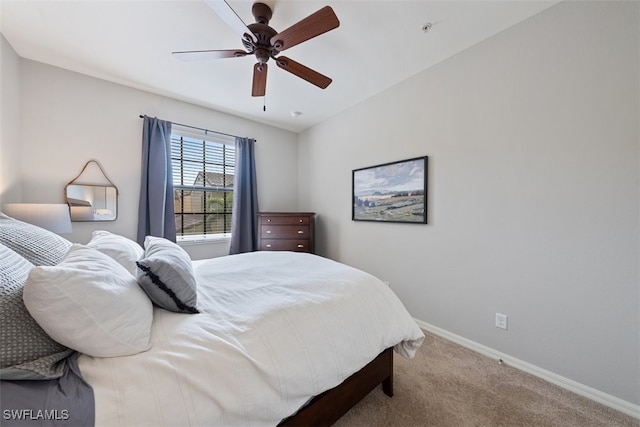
[(26, 351), (35, 244), (166, 275)]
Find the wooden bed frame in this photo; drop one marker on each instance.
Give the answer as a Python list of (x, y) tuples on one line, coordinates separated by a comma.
[(326, 408)]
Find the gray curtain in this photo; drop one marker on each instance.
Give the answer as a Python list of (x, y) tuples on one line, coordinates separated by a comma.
[(244, 222), (155, 214)]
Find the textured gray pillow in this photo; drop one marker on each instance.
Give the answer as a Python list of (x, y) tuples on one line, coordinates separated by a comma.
[(166, 275), (37, 245), (26, 352)]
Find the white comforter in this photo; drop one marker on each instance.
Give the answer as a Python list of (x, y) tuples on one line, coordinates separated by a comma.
[(275, 329)]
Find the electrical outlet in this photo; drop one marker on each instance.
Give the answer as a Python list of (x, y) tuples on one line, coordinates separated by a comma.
[(501, 321)]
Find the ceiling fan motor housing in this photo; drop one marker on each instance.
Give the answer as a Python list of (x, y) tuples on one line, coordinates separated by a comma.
[(261, 48)]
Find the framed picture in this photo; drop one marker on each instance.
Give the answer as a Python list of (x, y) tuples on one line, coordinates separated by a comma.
[(391, 192)]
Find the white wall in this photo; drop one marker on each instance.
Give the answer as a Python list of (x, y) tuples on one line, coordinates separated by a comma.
[(10, 124), (533, 139), (69, 118)]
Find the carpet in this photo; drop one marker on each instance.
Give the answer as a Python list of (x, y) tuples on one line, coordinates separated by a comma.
[(449, 385)]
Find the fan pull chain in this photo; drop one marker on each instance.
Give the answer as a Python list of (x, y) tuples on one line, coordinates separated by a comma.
[(264, 103)]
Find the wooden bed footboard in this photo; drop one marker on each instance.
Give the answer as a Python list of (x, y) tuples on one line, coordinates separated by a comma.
[(326, 408)]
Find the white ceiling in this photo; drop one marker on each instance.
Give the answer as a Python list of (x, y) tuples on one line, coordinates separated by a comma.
[(378, 44)]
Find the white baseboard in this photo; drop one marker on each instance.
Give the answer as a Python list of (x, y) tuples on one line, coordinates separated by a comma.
[(574, 386)]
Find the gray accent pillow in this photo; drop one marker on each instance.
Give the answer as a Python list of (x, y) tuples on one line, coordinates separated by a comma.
[(37, 245), (26, 352), (166, 275)]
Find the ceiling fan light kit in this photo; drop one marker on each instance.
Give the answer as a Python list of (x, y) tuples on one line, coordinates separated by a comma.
[(265, 43)]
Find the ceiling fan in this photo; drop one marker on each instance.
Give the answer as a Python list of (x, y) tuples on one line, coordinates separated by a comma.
[(264, 42)]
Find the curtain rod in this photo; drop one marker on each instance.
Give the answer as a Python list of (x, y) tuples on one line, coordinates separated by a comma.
[(202, 129)]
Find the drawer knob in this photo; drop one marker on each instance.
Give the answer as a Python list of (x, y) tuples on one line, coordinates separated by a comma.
[(301, 246), (268, 231), (268, 220), (268, 245), (300, 232), (300, 220)]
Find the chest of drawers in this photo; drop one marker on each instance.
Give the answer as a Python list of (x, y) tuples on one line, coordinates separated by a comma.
[(286, 231)]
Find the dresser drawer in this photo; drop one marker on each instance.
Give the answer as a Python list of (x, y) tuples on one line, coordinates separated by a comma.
[(285, 220), (285, 232), (285, 245)]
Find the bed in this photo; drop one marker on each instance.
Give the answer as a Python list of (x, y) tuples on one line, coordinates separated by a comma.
[(261, 339)]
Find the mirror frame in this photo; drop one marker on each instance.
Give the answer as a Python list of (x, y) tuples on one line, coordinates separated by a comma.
[(82, 209)]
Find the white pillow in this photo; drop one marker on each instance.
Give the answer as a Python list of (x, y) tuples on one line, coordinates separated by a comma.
[(90, 303), (120, 248)]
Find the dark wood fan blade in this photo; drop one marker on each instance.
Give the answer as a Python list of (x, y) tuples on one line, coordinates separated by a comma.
[(202, 55), (228, 15), (313, 25), (259, 79), (303, 72)]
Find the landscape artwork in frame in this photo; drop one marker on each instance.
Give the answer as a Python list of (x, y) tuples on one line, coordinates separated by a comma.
[(391, 192)]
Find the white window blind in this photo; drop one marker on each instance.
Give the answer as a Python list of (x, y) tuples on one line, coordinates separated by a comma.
[(203, 172)]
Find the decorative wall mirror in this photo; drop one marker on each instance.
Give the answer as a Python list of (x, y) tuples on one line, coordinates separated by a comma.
[(92, 197)]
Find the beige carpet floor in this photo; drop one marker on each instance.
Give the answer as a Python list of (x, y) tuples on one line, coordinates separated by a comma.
[(448, 385)]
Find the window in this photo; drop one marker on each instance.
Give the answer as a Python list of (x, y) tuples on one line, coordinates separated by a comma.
[(203, 172)]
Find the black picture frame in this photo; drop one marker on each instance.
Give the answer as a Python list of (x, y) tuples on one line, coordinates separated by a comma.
[(391, 192)]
